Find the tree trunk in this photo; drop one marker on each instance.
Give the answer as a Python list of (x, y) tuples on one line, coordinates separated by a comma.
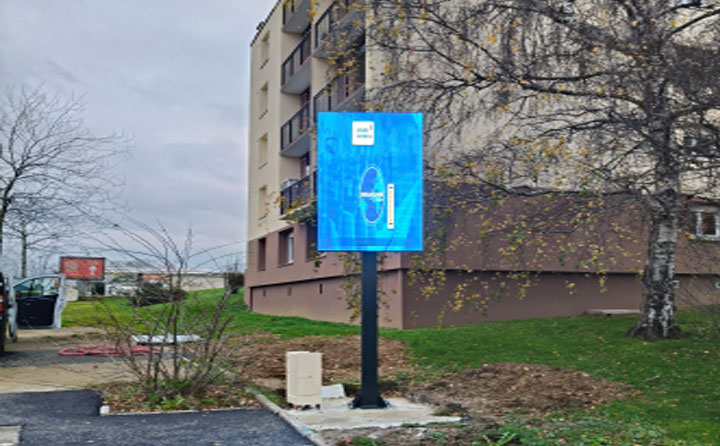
[(23, 254), (658, 307), (2, 224)]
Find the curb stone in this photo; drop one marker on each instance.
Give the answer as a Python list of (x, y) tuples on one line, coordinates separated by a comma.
[(106, 412), (10, 435), (299, 427)]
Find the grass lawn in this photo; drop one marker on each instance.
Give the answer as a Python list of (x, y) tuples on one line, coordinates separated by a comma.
[(93, 314), (679, 378)]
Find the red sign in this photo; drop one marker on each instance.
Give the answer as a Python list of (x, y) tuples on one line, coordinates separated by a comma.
[(82, 267)]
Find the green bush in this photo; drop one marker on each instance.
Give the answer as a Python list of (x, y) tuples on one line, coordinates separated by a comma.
[(153, 293)]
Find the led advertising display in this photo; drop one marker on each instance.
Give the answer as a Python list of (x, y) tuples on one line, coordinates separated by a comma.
[(370, 189), (82, 267)]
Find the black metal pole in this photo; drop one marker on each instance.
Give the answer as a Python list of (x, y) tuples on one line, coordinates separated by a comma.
[(369, 397)]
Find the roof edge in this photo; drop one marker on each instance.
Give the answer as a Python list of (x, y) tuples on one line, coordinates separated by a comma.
[(262, 24)]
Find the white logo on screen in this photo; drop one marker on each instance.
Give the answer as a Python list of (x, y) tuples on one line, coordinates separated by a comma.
[(363, 133)]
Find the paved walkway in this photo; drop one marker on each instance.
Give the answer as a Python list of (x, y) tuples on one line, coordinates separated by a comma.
[(33, 364), (70, 418), (38, 409)]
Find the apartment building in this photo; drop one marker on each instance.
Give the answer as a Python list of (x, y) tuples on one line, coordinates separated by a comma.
[(294, 75)]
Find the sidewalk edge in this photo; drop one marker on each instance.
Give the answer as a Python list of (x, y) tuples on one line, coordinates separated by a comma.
[(299, 427)]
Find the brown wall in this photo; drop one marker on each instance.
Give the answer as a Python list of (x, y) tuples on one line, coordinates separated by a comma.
[(548, 296), (483, 236), (404, 306), (294, 289), (330, 265), (698, 290), (323, 299), (609, 237)]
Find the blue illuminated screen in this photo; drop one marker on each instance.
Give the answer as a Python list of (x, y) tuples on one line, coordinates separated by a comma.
[(370, 189)]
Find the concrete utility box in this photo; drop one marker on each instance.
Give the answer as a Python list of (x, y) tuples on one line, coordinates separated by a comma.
[(304, 378)]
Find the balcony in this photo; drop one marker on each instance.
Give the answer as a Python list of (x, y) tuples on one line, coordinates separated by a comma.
[(296, 68), (299, 194), (296, 15), (340, 24), (344, 93), (295, 134)]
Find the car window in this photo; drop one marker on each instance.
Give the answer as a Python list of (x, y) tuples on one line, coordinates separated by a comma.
[(43, 286), (23, 289), (48, 285)]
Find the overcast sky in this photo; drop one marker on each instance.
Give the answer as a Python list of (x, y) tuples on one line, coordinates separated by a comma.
[(173, 74)]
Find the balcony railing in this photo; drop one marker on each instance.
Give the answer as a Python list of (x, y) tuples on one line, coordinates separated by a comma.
[(290, 7), (295, 128), (296, 59), (288, 11), (298, 194), (325, 23), (331, 17), (342, 88)]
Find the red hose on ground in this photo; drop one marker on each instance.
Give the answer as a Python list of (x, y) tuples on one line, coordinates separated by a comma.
[(105, 350)]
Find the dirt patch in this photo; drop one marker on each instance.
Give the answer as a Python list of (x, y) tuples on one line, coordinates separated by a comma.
[(264, 358), (488, 392), (498, 389)]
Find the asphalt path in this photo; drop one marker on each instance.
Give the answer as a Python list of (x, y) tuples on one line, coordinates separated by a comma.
[(72, 418)]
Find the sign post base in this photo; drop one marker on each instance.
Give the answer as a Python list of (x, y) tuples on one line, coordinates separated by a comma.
[(369, 396)]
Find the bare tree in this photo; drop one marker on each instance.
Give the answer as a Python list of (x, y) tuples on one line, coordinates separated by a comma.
[(41, 227), (51, 164), (605, 96), (173, 364)]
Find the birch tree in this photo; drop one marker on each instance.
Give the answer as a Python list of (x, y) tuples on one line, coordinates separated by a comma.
[(614, 97)]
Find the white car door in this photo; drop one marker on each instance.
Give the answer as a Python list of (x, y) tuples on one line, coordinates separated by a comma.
[(37, 302), (12, 312)]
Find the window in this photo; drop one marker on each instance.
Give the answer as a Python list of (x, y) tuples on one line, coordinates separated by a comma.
[(286, 247), (707, 224), (262, 202), (310, 242), (262, 249), (305, 97), (262, 150), (264, 50), (691, 3), (305, 165), (263, 101)]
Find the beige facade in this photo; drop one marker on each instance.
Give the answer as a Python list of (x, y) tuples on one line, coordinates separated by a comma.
[(294, 76)]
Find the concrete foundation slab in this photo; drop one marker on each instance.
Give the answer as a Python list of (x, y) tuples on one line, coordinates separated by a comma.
[(336, 413), (608, 313), (9, 435)]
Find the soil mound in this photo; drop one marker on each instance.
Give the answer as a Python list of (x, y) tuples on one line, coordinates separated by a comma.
[(265, 358), (498, 389), (488, 391)]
